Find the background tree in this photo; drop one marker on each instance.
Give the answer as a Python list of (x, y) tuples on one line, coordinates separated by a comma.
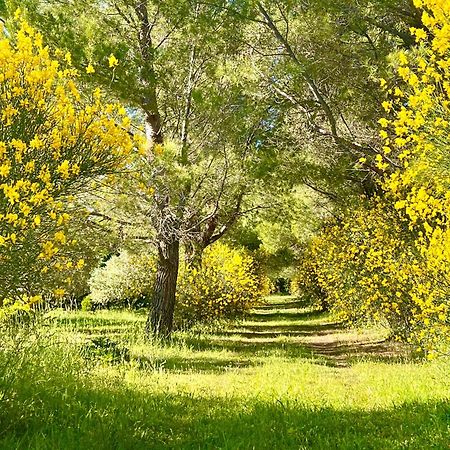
[(322, 62)]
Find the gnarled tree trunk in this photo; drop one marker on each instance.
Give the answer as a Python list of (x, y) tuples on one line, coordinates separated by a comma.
[(193, 254), (160, 319)]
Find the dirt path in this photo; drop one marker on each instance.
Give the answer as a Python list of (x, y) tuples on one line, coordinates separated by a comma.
[(285, 325)]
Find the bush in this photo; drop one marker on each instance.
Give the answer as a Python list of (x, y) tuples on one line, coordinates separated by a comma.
[(371, 268), (53, 143), (125, 279), (226, 285), (305, 283)]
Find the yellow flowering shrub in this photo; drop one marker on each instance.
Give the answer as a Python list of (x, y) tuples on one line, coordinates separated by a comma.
[(390, 259), (226, 285), (369, 268), (54, 140)]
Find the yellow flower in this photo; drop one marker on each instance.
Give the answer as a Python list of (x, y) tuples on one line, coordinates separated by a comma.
[(5, 168), (387, 106), (68, 58), (420, 34), (60, 237), (36, 143), (402, 58), (48, 250), (63, 169), (59, 292), (112, 60)]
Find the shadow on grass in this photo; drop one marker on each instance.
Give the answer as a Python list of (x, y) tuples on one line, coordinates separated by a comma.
[(92, 322), (259, 316), (330, 354), (247, 348), (116, 417), (346, 354), (193, 364), (264, 330)]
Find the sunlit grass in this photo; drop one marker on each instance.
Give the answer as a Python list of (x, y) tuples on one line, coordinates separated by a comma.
[(287, 377)]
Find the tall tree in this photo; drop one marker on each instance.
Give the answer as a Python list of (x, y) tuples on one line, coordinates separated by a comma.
[(181, 67)]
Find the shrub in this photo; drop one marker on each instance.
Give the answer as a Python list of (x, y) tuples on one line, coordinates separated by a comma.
[(226, 285), (305, 283), (125, 279), (67, 141), (370, 268)]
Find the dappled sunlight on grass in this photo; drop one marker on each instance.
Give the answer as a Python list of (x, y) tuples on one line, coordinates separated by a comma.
[(279, 379)]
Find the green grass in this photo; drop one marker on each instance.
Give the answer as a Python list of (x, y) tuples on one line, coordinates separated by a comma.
[(286, 378)]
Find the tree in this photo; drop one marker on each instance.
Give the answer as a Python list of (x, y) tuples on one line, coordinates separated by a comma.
[(322, 62), (181, 68)]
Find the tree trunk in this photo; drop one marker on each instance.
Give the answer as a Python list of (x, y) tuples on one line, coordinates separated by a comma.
[(153, 127), (193, 255), (160, 319)]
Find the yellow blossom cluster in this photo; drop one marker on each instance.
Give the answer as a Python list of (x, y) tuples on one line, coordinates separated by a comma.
[(370, 269), (54, 140), (390, 261), (226, 284)]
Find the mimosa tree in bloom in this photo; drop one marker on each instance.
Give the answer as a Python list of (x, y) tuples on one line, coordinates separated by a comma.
[(53, 142)]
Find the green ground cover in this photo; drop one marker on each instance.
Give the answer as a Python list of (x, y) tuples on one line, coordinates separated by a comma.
[(287, 377)]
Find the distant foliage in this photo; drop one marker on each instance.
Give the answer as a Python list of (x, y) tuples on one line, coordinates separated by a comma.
[(389, 260), (53, 142), (305, 282), (226, 285), (125, 279)]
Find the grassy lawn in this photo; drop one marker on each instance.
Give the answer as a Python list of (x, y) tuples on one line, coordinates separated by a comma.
[(287, 377)]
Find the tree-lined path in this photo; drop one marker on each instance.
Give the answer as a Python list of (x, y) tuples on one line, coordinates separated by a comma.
[(166, 165), (285, 326)]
